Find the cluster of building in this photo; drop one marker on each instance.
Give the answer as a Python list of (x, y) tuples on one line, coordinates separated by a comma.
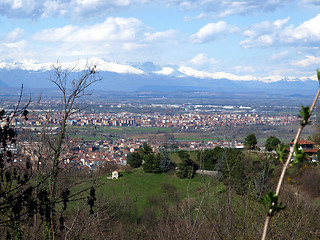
[(93, 154), (180, 121)]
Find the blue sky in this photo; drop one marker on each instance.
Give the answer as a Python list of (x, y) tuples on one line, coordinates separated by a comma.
[(244, 37)]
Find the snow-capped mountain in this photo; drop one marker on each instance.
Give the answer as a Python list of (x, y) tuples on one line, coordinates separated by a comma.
[(33, 65), (148, 76)]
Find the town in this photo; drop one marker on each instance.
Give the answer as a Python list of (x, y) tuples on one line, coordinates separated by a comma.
[(91, 153), (161, 116)]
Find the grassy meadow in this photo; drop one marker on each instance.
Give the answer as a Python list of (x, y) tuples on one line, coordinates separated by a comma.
[(141, 189)]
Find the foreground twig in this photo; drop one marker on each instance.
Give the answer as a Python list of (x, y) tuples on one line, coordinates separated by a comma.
[(304, 122)]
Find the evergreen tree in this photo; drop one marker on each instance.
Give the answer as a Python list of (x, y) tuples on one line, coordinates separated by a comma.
[(165, 161), (271, 143), (187, 168), (152, 164), (208, 159), (135, 159), (250, 141), (145, 150)]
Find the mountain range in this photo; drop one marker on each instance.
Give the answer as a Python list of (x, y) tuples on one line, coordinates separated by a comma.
[(147, 76)]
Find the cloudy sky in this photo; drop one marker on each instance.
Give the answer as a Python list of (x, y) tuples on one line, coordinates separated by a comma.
[(244, 37)]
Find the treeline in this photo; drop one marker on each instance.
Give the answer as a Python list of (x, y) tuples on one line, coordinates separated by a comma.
[(246, 172), (235, 168)]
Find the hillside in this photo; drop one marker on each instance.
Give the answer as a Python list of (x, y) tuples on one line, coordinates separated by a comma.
[(149, 206)]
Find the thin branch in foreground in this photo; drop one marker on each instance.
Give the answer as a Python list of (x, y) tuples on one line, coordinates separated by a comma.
[(305, 113)]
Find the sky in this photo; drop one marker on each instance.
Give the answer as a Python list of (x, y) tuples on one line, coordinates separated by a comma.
[(244, 37)]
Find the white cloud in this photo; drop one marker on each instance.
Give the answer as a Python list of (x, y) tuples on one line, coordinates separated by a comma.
[(14, 35), (212, 31), (279, 56), (53, 8), (20, 8), (263, 34), (309, 60), (20, 45), (15, 50), (310, 2), (279, 33), (113, 38), (113, 29), (242, 69), (202, 58), (160, 36), (281, 22), (69, 8), (200, 16), (97, 8), (309, 30), (228, 7)]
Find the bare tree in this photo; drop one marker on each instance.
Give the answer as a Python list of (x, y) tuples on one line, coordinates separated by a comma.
[(72, 89)]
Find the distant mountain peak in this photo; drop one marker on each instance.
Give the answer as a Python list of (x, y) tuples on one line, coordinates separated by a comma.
[(132, 76), (165, 71), (147, 67), (26, 64), (102, 65)]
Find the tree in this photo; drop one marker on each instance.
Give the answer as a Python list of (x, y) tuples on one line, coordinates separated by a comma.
[(233, 170), (207, 159), (271, 143), (250, 141), (152, 164), (183, 155), (27, 195), (72, 89), (135, 159), (165, 161), (187, 168), (17, 202), (145, 150)]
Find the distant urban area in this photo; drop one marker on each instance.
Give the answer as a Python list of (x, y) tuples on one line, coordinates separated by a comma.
[(107, 132)]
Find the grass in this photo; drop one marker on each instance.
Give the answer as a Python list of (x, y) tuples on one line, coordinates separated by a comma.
[(176, 159), (128, 130), (87, 138), (140, 188), (196, 138)]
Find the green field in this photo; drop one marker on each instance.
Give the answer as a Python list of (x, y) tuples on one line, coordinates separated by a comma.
[(128, 130), (87, 138), (196, 138), (142, 188)]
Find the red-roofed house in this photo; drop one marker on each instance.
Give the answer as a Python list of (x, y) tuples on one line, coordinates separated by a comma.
[(307, 146)]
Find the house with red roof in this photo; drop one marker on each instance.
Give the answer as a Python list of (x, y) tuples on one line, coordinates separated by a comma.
[(308, 147)]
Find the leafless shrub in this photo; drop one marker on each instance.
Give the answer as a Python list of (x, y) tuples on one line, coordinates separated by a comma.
[(311, 181)]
